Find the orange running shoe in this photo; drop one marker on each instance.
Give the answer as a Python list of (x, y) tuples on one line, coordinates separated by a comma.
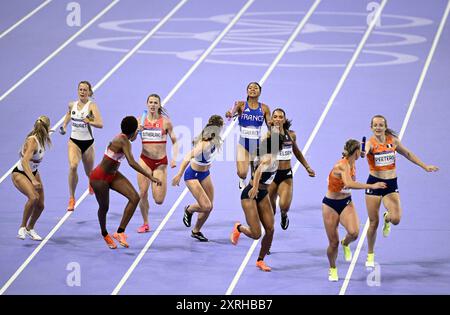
[(71, 205), (110, 242), (121, 238), (262, 265), (234, 237)]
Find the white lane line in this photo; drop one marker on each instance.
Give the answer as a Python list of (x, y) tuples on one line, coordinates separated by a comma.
[(402, 132), (26, 17), (183, 194), (321, 119), (115, 68), (264, 78), (39, 247), (59, 224), (58, 50)]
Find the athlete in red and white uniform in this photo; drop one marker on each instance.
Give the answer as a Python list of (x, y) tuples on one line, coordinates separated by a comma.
[(106, 176), (154, 128)]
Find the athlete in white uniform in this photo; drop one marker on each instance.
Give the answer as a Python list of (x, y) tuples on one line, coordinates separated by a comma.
[(84, 114), (282, 185), (26, 176)]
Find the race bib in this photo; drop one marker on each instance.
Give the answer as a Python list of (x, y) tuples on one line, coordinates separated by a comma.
[(285, 154), (151, 135), (250, 133), (384, 159), (79, 125)]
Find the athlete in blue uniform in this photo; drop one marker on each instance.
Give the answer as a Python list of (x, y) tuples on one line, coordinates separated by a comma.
[(252, 115), (197, 164)]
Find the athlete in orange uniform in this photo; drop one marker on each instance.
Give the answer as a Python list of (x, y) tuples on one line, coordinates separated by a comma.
[(381, 149), (338, 207)]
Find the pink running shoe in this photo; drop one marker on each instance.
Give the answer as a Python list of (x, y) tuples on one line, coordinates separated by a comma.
[(143, 228)]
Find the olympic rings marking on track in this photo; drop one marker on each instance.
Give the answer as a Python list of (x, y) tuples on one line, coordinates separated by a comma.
[(260, 33)]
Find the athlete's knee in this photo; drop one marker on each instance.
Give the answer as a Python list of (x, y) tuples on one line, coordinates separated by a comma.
[(334, 243), (33, 199), (284, 206), (373, 222), (88, 171), (73, 167), (206, 206), (242, 173), (395, 220), (40, 206), (143, 195), (270, 230), (134, 198), (159, 200), (102, 210), (353, 234), (256, 234)]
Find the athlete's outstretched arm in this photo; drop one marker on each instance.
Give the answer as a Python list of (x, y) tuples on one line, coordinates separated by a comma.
[(299, 155), (414, 158), (344, 171), (197, 150)]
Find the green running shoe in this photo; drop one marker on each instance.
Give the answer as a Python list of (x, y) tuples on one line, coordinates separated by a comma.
[(386, 226), (347, 252), (333, 275)]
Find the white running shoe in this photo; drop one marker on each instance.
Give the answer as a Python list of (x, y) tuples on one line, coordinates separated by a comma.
[(22, 233), (33, 235)]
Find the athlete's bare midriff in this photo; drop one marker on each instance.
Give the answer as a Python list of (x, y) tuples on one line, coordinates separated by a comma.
[(155, 151), (390, 174)]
